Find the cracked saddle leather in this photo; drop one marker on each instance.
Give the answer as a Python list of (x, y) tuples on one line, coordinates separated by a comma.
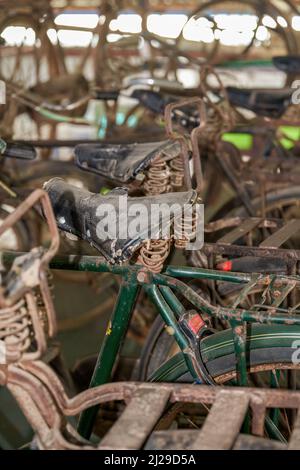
[(287, 64), (265, 103), (121, 163), (77, 211)]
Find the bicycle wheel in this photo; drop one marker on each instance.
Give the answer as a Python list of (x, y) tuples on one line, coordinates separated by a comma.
[(219, 39), (282, 203), (37, 58), (269, 348), (279, 203)]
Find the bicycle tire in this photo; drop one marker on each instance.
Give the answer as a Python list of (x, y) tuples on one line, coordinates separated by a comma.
[(269, 347), (288, 196)]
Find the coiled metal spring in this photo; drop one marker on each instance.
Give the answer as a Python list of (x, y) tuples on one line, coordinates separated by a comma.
[(15, 330), (40, 302), (177, 173), (221, 119), (153, 254), (185, 229), (157, 179), (24, 328)]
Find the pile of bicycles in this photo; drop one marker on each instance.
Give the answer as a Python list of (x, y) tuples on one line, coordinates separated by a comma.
[(191, 222)]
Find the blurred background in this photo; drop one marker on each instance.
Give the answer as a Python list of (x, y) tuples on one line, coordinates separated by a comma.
[(114, 44)]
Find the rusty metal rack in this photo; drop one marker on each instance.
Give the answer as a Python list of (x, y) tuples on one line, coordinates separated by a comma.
[(146, 406), (146, 421), (27, 316), (256, 237), (221, 428), (271, 170)]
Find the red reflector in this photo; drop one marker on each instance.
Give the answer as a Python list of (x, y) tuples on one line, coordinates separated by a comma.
[(227, 266), (196, 323)]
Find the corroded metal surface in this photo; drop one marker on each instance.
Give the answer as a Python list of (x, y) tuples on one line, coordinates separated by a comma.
[(223, 422), (27, 316), (253, 244), (45, 403), (145, 408)]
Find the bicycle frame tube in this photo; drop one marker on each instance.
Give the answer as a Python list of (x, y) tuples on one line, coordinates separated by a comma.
[(137, 275), (112, 344), (167, 304), (162, 290)]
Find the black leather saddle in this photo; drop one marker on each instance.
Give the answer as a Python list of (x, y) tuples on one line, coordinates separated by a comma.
[(267, 103), (156, 102), (120, 163), (82, 213), (152, 100), (16, 150), (288, 64)]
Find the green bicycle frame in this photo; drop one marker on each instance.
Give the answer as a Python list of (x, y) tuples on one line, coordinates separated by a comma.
[(162, 290)]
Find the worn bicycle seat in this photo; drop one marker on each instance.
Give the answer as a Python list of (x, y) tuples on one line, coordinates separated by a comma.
[(106, 95), (156, 102), (80, 212), (120, 163), (267, 103), (16, 150), (288, 64), (152, 100)]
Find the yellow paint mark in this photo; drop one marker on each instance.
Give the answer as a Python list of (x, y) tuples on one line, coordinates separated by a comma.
[(109, 330)]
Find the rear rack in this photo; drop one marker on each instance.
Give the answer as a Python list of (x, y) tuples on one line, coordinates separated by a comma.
[(146, 405), (254, 237), (149, 412)]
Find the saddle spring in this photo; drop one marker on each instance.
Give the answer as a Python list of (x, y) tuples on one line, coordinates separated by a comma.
[(26, 324), (153, 254), (157, 178), (40, 301), (177, 173), (23, 329), (185, 229), (221, 119), (15, 331)]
